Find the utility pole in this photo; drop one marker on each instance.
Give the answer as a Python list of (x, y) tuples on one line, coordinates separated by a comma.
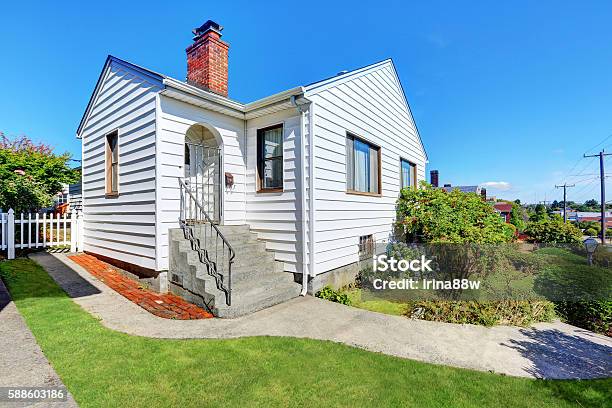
[(602, 175), (565, 187)]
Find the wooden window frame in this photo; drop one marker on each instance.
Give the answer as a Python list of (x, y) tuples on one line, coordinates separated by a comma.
[(413, 173), (261, 160), (379, 161), (108, 165)]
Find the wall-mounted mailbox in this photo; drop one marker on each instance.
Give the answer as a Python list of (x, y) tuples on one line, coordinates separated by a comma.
[(229, 180)]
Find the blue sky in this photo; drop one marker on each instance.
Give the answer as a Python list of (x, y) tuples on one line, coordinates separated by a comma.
[(506, 93)]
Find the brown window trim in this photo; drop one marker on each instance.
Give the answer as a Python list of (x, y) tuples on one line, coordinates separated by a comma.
[(260, 161), (379, 149), (108, 165), (363, 193), (413, 175)]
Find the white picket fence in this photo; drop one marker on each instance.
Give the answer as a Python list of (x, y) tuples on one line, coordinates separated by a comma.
[(34, 230)]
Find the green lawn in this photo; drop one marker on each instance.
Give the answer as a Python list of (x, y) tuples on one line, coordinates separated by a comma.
[(105, 368)]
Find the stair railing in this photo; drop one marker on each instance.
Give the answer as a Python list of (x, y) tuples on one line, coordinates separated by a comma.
[(213, 249)]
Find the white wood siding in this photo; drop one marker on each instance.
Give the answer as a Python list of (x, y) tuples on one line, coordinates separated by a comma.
[(370, 104), (276, 217), (174, 119), (122, 228)]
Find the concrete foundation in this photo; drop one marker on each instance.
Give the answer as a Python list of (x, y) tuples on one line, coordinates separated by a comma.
[(336, 278)]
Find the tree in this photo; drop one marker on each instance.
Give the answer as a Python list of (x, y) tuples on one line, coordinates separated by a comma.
[(591, 203), (30, 173), (436, 216), (517, 216), (539, 214)]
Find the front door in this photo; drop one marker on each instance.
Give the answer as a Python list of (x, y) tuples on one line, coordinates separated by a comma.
[(203, 176)]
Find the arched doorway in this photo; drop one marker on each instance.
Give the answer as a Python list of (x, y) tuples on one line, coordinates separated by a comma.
[(203, 168)]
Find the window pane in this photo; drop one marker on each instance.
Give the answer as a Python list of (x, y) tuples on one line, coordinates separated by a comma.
[(114, 177), (350, 163), (273, 143), (406, 172), (373, 187), (273, 173), (362, 166)]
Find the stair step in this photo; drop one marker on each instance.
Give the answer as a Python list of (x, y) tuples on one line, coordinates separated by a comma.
[(258, 280), (257, 299)]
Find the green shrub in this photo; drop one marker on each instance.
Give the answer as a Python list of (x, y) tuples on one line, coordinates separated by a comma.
[(433, 215), (553, 230), (513, 312), (592, 232), (592, 315), (329, 293)]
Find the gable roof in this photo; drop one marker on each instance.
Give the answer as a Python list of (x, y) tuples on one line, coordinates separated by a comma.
[(269, 104), (345, 76), (154, 76)]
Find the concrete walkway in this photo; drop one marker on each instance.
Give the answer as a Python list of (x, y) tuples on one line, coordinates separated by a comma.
[(22, 363), (548, 350)]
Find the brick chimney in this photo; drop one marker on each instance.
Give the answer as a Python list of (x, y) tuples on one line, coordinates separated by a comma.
[(207, 59), (433, 178)]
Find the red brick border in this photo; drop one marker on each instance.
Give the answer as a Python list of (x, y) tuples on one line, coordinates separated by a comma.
[(168, 306)]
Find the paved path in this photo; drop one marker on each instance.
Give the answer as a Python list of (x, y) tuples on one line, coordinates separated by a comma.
[(548, 350), (22, 363)]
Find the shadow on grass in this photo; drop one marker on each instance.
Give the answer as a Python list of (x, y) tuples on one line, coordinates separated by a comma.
[(21, 271), (555, 354), (5, 298)]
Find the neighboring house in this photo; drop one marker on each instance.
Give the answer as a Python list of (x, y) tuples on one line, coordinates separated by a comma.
[(589, 216), (504, 210), (434, 177), (296, 182)]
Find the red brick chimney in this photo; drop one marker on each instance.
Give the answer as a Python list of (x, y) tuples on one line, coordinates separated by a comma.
[(207, 59)]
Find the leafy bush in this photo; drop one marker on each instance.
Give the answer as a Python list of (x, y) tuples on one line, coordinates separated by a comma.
[(329, 293), (592, 232), (514, 312), (435, 216), (592, 315), (553, 230)]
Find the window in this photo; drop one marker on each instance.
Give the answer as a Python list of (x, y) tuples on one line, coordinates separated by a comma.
[(366, 246), (362, 167), (270, 158), (407, 174), (112, 163)]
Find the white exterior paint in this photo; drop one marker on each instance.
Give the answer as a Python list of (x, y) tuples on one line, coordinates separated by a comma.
[(174, 119), (153, 114), (369, 103), (124, 227)]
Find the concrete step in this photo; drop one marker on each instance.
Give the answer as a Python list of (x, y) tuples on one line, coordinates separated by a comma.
[(258, 280), (257, 299)]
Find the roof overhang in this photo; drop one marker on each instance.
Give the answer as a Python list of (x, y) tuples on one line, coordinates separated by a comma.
[(199, 97)]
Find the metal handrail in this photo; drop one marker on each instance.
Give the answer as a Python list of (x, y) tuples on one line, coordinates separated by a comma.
[(204, 255)]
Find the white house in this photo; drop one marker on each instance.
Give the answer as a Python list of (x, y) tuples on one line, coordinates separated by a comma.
[(297, 184)]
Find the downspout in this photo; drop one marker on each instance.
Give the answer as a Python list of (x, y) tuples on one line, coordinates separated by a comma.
[(302, 107), (311, 189)]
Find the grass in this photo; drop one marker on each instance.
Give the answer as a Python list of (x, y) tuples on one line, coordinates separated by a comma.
[(104, 368)]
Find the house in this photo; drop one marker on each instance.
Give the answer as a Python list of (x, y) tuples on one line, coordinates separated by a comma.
[(434, 177), (504, 210), (238, 206)]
